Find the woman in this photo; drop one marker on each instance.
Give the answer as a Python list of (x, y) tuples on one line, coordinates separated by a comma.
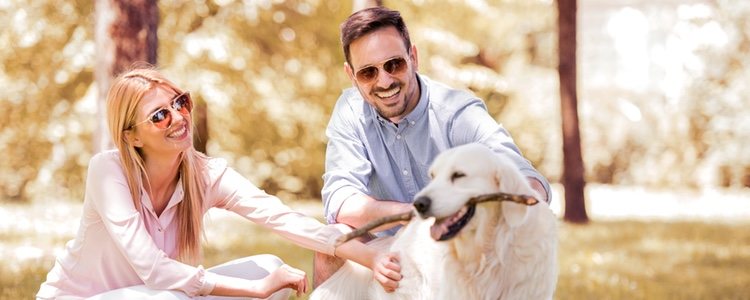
[(143, 209)]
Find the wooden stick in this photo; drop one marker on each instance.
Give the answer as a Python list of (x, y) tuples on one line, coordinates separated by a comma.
[(520, 199), (372, 225)]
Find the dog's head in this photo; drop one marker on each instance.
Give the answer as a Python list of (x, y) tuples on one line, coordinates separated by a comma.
[(464, 172)]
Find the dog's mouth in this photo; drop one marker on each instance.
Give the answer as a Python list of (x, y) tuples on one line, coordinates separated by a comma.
[(447, 228)]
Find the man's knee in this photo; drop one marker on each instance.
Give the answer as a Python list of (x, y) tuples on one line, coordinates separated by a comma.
[(324, 266)]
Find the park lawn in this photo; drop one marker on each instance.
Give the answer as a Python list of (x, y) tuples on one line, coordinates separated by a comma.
[(601, 260)]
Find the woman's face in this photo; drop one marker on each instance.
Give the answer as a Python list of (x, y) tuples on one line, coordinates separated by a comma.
[(163, 123)]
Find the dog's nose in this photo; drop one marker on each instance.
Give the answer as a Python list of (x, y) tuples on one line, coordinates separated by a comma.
[(422, 204)]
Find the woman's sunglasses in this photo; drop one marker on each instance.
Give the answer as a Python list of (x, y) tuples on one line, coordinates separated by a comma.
[(162, 118), (393, 66)]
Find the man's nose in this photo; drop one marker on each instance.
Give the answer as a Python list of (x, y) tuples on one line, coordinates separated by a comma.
[(384, 79)]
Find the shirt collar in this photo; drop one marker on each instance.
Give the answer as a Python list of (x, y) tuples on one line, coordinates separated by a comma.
[(177, 196), (175, 199)]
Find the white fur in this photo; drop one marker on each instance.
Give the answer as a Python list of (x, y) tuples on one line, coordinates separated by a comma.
[(506, 251)]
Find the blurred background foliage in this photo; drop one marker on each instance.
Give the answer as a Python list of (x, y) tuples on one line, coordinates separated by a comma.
[(271, 70)]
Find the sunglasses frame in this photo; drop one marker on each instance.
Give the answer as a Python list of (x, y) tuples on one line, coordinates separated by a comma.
[(169, 108), (397, 71)]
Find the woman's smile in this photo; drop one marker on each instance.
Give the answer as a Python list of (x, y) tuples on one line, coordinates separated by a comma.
[(180, 133)]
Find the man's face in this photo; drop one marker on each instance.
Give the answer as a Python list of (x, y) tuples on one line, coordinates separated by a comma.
[(384, 72)]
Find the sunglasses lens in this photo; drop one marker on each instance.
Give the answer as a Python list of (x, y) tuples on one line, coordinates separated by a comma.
[(367, 74), (161, 118), (183, 104), (395, 66)]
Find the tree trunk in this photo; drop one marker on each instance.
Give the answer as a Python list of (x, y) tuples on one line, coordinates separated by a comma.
[(125, 34), (573, 171)]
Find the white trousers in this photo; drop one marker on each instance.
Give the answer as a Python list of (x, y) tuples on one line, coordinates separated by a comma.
[(252, 268)]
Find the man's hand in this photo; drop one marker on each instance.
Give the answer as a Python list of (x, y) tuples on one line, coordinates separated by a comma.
[(539, 188), (387, 271)]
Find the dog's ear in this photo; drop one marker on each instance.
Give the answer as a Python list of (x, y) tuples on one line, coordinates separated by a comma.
[(514, 213), (510, 180)]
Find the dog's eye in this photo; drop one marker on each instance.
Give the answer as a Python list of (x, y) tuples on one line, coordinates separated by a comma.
[(456, 175)]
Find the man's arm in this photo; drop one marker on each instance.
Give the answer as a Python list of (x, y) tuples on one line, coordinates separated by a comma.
[(474, 124), (360, 209), (346, 196)]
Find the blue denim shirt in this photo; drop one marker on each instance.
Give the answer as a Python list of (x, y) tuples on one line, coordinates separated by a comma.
[(367, 154)]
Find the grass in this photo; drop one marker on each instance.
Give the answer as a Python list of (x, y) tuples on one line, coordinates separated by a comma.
[(654, 260), (602, 260)]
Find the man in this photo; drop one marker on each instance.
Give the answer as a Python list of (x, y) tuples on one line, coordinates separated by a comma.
[(385, 132)]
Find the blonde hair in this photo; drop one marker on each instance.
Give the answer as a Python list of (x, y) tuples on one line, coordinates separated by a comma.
[(123, 99)]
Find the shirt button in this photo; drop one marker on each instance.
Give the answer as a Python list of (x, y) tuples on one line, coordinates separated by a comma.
[(398, 137), (405, 172), (412, 122), (159, 229)]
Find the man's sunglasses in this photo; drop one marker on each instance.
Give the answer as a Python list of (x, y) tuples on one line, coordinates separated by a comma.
[(393, 66), (162, 118)]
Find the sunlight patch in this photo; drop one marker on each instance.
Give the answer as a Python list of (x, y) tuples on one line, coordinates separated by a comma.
[(24, 253)]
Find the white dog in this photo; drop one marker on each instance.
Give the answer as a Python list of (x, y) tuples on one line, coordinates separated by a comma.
[(455, 250)]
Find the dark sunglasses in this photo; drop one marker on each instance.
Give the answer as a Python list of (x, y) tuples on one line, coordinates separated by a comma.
[(393, 66), (162, 118)]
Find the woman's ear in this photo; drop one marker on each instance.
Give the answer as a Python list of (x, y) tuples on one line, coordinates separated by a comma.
[(131, 138)]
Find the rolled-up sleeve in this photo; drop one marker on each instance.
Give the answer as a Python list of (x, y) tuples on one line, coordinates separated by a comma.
[(347, 166), (233, 192), (108, 189), (474, 124)]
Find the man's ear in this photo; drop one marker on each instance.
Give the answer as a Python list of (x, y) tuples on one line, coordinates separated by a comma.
[(350, 73), (132, 139), (413, 55)]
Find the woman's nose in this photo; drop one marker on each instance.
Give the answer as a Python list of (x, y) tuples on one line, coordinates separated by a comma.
[(176, 116)]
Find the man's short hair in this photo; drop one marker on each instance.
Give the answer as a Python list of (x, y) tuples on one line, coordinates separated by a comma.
[(368, 20)]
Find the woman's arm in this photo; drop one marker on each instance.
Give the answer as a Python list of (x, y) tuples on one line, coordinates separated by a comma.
[(230, 190), (283, 277)]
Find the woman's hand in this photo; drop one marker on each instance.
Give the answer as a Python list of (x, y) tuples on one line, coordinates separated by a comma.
[(285, 277), (386, 270)]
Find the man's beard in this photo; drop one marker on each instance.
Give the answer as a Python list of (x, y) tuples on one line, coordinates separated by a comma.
[(391, 111)]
